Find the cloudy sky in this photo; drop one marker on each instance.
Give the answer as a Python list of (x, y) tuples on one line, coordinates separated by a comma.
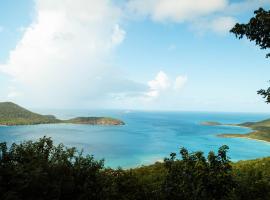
[(130, 54)]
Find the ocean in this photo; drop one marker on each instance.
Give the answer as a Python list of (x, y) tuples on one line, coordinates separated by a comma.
[(147, 137)]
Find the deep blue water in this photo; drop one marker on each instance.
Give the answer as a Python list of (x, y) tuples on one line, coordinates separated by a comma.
[(147, 136)]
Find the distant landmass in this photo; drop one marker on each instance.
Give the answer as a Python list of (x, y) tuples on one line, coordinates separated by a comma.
[(209, 123), (12, 114), (261, 130)]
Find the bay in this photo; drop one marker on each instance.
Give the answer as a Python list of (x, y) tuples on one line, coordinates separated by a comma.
[(147, 136)]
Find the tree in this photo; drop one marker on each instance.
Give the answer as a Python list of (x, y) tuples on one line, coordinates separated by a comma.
[(40, 170), (257, 30), (197, 177)]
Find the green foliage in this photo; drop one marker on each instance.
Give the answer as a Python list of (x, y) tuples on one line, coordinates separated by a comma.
[(253, 178), (257, 29), (41, 170), (195, 177), (265, 94), (12, 114), (261, 131)]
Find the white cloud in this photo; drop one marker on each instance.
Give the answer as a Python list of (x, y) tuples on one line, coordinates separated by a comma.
[(118, 35), (222, 24), (66, 50), (202, 15), (217, 16), (163, 84), (180, 81), (13, 93), (219, 25), (246, 6), (176, 10), (162, 92)]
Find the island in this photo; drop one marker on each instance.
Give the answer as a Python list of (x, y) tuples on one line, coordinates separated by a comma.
[(12, 114), (260, 130)]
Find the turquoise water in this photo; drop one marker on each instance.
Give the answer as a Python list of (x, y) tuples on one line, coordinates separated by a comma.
[(147, 136)]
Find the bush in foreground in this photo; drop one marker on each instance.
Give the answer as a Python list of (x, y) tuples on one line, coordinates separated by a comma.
[(41, 170)]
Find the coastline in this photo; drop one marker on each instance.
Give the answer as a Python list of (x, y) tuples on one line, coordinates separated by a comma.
[(244, 137), (259, 140), (101, 121), (252, 135)]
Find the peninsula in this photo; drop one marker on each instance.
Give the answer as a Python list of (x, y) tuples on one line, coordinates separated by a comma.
[(261, 130), (12, 114)]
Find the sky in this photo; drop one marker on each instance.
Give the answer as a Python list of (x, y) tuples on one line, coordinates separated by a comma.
[(131, 54)]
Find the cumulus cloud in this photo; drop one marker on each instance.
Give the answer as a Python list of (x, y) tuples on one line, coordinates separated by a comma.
[(163, 90), (220, 25), (246, 6), (180, 81), (203, 15), (196, 12), (163, 84), (176, 10), (64, 54)]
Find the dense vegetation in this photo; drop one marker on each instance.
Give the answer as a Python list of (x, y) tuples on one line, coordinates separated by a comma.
[(12, 114), (257, 30), (41, 170), (261, 130)]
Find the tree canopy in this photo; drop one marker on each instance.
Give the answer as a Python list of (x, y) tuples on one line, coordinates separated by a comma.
[(44, 171), (257, 30)]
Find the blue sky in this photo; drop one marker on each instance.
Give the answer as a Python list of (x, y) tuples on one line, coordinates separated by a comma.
[(147, 55)]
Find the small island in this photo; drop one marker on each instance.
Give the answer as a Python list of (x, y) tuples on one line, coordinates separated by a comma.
[(12, 114), (261, 130)]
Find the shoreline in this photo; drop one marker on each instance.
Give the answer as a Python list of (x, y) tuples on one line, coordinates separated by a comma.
[(235, 135), (244, 137)]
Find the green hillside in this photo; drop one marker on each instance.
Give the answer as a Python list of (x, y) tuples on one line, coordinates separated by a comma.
[(12, 114), (261, 130)]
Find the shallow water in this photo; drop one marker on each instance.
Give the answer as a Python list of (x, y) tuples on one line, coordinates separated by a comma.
[(147, 136)]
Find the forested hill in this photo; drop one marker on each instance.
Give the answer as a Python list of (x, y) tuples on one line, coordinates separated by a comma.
[(12, 114)]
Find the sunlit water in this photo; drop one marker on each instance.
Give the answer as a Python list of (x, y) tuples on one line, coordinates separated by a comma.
[(147, 136)]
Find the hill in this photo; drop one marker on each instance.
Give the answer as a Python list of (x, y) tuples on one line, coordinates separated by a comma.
[(261, 130), (12, 114)]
